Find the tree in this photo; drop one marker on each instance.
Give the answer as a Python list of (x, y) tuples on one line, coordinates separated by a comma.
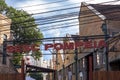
[(37, 76), (3, 6), (23, 27)]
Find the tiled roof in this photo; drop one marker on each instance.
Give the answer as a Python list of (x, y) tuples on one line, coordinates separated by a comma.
[(111, 12)]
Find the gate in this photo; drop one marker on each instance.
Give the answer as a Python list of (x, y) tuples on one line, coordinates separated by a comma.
[(106, 75), (11, 76)]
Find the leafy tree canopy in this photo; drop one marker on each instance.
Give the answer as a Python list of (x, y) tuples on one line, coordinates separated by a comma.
[(23, 26)]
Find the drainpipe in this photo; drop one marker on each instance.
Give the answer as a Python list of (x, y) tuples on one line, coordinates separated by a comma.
[(104, 29)]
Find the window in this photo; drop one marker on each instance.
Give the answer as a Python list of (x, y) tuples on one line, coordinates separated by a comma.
[(73, 68), (81, 75), (83, 62), (104, 55), (98, 58)]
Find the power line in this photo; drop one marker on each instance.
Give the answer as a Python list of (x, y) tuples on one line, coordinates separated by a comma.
[(107, 13), (24, 21), (59, 21), (71, 22), (61, 38), (44, 12), (65, 5), (72, 25), (60, 27), (73, 19), (84, 13), (70, 5), (81, 13), (44, 3), (69, 14), (50, 11)]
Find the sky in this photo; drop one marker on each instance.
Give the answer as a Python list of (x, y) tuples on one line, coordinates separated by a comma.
[(43, 6)]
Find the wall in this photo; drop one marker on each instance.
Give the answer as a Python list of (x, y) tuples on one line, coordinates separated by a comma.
[(90, 23), (5, 29)]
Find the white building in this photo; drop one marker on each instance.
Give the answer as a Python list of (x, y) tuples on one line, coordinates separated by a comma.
[(40, 63), (43, 63)]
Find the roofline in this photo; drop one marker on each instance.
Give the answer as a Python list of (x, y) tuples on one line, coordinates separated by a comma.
[(95, 11)]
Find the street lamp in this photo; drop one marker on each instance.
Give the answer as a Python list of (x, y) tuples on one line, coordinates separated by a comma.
[(4, 48), (75, 38)]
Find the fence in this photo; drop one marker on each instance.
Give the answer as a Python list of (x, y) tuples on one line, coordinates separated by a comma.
[(11, 77), (104, 75)]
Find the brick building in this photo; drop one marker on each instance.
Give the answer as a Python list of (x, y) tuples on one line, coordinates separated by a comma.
[(95, 20), (5, 30)]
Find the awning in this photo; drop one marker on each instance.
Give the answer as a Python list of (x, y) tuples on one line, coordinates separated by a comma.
[(32, 68)]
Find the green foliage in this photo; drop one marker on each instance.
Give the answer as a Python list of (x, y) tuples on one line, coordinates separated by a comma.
[(17, 57), (3, 6), (23, 26), (36, 55), (36, 76)]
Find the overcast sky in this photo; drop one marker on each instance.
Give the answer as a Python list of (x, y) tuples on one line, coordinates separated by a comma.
[(39, 8)]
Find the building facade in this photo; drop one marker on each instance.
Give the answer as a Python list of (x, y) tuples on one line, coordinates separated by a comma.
[(5, 31), (96, 23)]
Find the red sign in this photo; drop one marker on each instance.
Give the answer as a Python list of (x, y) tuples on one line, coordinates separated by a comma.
[(57, 46), (22, 48), (73, 45)]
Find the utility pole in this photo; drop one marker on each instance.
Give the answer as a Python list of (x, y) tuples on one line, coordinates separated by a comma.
[(75, 38)]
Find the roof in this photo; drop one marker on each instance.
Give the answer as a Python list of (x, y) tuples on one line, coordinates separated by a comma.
[(111, 12), (5, 18)]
